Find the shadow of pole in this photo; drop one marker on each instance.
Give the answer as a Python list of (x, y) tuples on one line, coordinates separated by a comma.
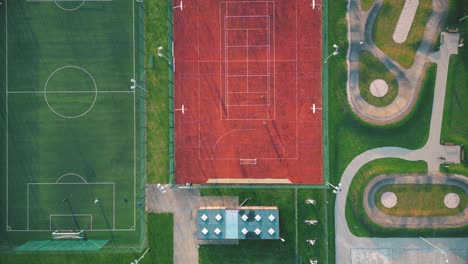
[(70, 207), (106, 220)]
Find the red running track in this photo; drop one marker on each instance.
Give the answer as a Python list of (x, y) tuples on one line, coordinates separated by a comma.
[(248, 74)]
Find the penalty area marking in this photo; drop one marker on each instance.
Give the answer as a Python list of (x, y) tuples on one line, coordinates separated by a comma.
[(95, 92), (72, 215), (69, 183), (81, 3)]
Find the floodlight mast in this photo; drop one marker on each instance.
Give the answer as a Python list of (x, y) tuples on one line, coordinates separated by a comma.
[(133, 81), (334, 53), (160, 54), (136, 261)]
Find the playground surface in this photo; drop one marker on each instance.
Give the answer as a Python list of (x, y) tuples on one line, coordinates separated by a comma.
[(248, 92)]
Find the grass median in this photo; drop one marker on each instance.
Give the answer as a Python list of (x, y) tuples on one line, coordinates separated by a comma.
[(421, 199)]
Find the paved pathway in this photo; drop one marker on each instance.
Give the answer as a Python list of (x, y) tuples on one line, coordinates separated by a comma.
[(360, 28), (352, 249), (183, 203)]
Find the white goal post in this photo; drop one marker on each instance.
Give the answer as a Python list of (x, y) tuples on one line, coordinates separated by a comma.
[(57, 234)]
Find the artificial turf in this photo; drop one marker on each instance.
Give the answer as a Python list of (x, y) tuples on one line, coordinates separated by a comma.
[(69, 111)]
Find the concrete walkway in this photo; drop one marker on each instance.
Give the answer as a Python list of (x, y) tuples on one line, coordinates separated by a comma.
[(183, 203), (360, 28), (352, 249)]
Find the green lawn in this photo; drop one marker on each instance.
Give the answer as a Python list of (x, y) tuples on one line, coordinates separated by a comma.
[(385, 24), (454, 126), (366, 4), (317, 231), (161, 239), (421, 199), (370, 69), (157, 82), (254, 251)]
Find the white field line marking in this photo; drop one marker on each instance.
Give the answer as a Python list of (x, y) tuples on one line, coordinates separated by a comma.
[(247, 42), (113, 206), (69, 0), (249, 16), (68, 215), (198, 84), (295, 212), (246, 105), (97, 230), (71, 183), (226, 65), (248, 75), (235, 2), (71, 174), (297, 75), (228, 133), (220, 79), (68, 183), (60, 92), (6, 105), (268, 60), (27, 207), (237, 158), (247, 92), (241, 29), (134, 124), (246, 46)]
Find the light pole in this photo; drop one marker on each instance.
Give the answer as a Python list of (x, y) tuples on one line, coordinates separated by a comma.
[(334, 53), (462, 18), (282, 239), (337, 189), (160, 54), (133, 81), (441, 251), (136, 261)]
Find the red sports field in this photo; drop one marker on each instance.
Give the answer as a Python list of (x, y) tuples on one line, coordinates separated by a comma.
[(248, 74)]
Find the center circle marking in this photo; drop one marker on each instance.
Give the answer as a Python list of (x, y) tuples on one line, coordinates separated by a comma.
[(67, 116), (69, 9)]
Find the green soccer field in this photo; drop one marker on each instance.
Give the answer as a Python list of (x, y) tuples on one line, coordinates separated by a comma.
[(72, 157)]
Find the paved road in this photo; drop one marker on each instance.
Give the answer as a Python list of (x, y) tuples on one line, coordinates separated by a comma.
[(352, 249)]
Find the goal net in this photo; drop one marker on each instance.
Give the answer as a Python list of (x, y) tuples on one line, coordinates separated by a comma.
[(68, 235)]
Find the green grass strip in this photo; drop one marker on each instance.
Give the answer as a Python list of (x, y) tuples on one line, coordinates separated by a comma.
[(161, 239), (421, 199), (157, 82), (370, 69)]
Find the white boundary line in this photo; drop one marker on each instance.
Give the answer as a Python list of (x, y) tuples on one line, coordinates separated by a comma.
[(98, 230), (59, 215), (72, 92), (7, 136), (297, 75), (69, 183), (227, 46), (134, 122), (6, 105), (69, 0)]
